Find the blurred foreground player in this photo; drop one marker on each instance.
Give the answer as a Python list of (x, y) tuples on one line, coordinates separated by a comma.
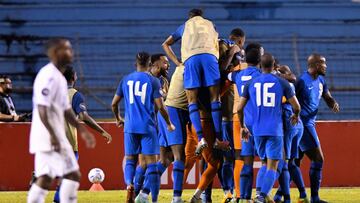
[(140, 91), (54, 156), (310, 88)]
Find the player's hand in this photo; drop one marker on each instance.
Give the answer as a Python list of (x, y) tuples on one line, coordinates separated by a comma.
[(120, 122), (55, 143), (235, 49), (171, 127), (336, 108), (245, 134), (294, 119), (87, 137), (107, 137), (16, 118)]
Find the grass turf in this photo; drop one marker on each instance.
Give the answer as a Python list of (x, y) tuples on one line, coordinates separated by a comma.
[(333, 195)]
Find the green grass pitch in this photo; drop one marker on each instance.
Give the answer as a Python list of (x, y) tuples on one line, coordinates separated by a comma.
[(333, 195)]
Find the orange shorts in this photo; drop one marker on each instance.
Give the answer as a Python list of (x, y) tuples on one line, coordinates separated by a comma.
[(236, 132)]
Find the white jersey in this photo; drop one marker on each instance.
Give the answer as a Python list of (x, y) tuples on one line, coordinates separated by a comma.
[(50, 89)]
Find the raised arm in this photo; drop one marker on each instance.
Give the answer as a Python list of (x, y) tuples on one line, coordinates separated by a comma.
[(286, 73), (166, 45), (227, 56)]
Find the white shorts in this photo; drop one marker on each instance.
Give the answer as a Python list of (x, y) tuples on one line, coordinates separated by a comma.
[(55, 164)]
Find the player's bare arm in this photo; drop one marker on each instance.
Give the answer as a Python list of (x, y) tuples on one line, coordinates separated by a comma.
[(296, 108), (85, 134), (331, 102), (159, 103), (286, 73), (88, 120), (115, 109), (43, 113), (224, 65), (244, 131), (169, 52)]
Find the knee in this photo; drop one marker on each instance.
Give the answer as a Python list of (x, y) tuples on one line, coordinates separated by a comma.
[(75, 176), (44, 182)]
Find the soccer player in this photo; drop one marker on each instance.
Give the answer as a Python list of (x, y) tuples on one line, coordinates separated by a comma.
[(265, 94), (310, 88), (199, 54), (54, 156), (140, 91), (253, 54)]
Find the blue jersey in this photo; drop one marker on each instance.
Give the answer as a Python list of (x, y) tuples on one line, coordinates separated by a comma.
[(309, 92), (265, 96), (241, 78), (78, 103), (288, 112), (177, 35), (139, 89)]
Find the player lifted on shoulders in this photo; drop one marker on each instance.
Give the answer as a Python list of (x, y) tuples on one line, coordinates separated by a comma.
[(54, 156), (310, 88), (265, 94), (199, 54), (140, 91)]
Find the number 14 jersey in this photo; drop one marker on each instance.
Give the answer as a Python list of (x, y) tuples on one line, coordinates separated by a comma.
[(139, 89), (265, 94)]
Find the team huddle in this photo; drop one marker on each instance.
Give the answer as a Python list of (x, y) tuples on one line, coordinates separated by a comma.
[(224, 105)]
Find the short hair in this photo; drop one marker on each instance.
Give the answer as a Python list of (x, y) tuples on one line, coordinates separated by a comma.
[(143, 58), (156, 57), (253, 45), (69, 73), (237, 32), (253, 56), (196, 12), (267, 60), (54, 42)]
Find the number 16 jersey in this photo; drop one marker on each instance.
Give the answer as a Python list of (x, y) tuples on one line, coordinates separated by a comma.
[(139, 89)]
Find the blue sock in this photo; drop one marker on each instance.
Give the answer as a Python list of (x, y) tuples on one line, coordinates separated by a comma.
[(57, 195), (246, 176), (284, 182), (129, 171), (227, 175), (195, 119), (260, 177), (268, 182), (208, 192), (296, 177), (178, 177), (152, 181), (279, 168), (139, 179), (278, 195), (315, 180), (161, 168), (216, 116)]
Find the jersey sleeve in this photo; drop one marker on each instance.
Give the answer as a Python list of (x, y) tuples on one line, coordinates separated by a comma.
[(232, 76), (325, 87), (78, 103), (156, 88), (287, 90), (44, 90), (119, 91), (178, 33)]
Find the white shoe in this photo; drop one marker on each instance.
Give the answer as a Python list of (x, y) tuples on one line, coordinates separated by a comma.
[(178, 201), (200, 147), (195, 200), (141, 199)]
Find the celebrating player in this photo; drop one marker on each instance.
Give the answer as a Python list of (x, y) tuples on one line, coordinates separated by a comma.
[(54, 156), (309, 89), (140, 91), (265, 94)]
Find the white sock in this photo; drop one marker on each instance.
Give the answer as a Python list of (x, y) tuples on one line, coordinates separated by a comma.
[(197, 193), (68, 191), (144, 195), (36, 194), (226, 191), (176, 199)]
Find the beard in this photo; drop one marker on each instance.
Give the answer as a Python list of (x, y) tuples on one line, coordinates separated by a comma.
[(8, 90)]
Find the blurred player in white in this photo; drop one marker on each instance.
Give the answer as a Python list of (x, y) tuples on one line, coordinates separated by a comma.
[(54, 156)]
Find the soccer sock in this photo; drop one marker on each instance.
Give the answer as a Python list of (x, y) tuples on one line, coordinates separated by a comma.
[(284, 182), (36, 194), (178, 176), (129, 171), (246, 176), (260, 178), (227, 174), (68, 191), (237, 170), (279, 168), (216, 116), (278, 195), (57, 195), (152, 175), (197, 193), (161, 168), (268, 182), (296, 176), (139, 179), (315, 180), (195, 119), (208, 193)]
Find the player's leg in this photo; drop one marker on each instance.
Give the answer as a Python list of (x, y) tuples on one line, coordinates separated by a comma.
[(227, 168), (132, 150), (39, 189), (139, 175), (246, 175), (237, 155), (190, 147)]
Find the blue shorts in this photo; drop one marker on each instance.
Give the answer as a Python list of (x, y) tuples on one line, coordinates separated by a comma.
[(292, 137), (248, 148), (310, 139), (147, 144), (201, 70), (179, 118), (269, 147), (76, 155), (227, 135)]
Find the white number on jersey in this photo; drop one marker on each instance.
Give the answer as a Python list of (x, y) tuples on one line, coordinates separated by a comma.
[(268, 98), (137, 92), (321, 89), (244, 79)]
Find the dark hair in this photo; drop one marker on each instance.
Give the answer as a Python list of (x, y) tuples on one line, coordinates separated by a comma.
[(267, 60), (54, 42), (237, 32), (69, 73), (253, 56), (143, 58), (196, 12), (3, 78), (253, 45), (156, 57)]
